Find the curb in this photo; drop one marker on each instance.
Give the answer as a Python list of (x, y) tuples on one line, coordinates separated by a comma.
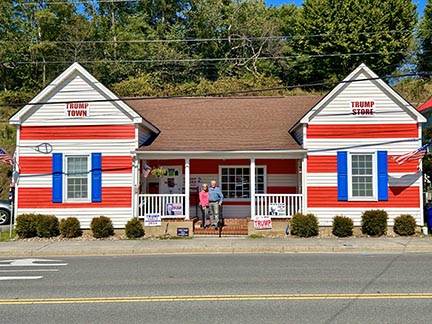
[(216, 250)]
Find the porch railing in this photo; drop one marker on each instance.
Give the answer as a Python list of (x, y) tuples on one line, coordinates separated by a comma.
[(157, 204), (278, 205)]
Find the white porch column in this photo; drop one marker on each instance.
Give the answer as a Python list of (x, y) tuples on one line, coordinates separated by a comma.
[(252, 187), (187, 189), (135, 184)]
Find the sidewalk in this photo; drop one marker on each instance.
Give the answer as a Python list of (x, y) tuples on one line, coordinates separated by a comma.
[(216, 245)]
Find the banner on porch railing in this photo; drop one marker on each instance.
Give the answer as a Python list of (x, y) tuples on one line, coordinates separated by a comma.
[(174, 209), (277, 209), (262, 222), (152, 220)]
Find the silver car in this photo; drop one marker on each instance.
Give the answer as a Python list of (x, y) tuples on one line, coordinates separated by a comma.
[(5, 212)]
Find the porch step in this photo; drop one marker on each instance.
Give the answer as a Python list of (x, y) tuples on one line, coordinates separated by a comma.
[(233, 226)]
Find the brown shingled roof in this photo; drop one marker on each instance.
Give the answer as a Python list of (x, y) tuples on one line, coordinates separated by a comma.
[(223, 124)]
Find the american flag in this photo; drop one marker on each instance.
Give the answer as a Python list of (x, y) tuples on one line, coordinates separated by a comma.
[(5, 157), (147, 170), (414, 155)]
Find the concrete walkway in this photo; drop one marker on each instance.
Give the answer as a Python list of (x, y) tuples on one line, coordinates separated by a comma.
[(216, 245)]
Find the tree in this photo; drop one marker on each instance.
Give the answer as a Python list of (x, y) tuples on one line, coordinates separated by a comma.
[(425, 41), (336, 36)]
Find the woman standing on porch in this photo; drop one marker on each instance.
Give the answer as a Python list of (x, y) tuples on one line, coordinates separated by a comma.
[(204, 203)]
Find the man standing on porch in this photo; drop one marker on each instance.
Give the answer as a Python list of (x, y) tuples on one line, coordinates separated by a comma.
[(216, 198)]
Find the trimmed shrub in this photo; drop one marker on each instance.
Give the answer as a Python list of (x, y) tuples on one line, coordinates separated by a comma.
[(134, 228), (342, 226), (304, 225), (47, 226), (404, 225), (374, 222), (70, 227), (101, 227), (26, 225)]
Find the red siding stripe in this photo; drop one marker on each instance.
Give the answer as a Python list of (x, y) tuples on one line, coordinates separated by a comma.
[(328, 164), (211, 166), (116, 164), (41, 198), (77, 132), (322, 164), (363, 131), (326, 197), (281, 190), (43, 164)]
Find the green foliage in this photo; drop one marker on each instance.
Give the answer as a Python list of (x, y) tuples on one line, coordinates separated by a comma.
[(342, 226), (374, 222), (31, 225), (255, 236), (134, 229), (425, 40), (382, 29), (26, 225), (70, 227), (404, 225), (6, 236), (304, 225), (47, 226), (101, 227)]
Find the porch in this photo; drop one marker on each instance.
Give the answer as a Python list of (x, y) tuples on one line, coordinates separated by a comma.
[(272, 205), (279, 207), (252, 188)]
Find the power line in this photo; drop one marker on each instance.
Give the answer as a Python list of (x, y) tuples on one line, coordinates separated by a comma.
[(80, 2), (210, 39), (216, 94), (217, 59)]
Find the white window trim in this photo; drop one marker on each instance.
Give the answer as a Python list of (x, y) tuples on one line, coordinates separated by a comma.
[(374, 196), (241, 166), (89, 178)]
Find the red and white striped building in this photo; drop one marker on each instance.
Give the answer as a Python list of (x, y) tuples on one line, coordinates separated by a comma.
[(328, 155)]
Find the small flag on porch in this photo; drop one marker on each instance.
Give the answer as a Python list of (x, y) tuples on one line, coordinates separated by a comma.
[(147, 170), (414, 155), (5, 157)]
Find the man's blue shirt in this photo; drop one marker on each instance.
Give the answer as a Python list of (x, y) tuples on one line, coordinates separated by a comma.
[(215, 194)]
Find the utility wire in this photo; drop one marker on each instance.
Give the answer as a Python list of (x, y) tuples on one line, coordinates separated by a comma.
[(211, 39), (217, 94), (216, 59), (79, 2)]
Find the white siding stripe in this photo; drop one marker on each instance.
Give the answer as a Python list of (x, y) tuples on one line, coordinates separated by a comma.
[(45, 181), (395, 179), (325, 215)]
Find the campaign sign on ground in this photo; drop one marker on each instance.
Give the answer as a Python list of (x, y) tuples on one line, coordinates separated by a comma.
[(174, 209), (262, 222), (152, 220), (277, 209), (182, 231)]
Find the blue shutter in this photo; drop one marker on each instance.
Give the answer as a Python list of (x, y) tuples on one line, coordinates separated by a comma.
[(382, 175), (96, 175), (342, 174), (57, 177)]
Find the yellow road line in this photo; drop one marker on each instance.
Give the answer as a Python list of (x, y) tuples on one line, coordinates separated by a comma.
[(153, 299)]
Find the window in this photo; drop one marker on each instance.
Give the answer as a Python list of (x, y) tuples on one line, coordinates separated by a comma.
[(362, 175), (235, 181), (77, 177)]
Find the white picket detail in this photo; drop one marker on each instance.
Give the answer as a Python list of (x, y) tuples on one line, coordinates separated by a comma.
[(157, 204), (286, 205)]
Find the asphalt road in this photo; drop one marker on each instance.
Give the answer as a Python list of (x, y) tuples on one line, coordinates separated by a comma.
[(234, 288)]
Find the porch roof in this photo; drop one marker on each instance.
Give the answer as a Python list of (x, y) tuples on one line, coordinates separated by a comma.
[(223, 124)]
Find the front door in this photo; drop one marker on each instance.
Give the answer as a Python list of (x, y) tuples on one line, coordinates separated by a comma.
[(172, 182)]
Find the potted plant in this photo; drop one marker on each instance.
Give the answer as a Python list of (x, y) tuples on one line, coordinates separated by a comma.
[(158, 172)]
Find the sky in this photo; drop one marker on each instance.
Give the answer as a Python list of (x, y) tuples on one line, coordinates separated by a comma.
[(420, 3)]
